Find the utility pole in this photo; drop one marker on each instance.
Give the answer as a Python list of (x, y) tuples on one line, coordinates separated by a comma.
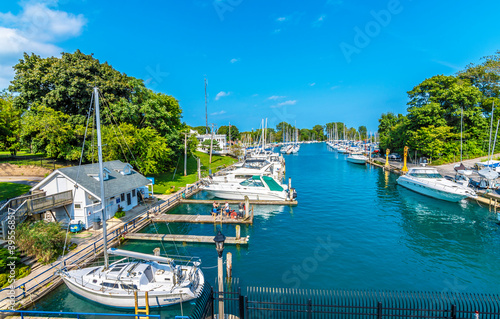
[(185, 153), (211, 144), (229, 134)]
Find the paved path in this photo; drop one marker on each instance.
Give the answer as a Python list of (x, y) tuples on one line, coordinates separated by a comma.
[(27, 180)]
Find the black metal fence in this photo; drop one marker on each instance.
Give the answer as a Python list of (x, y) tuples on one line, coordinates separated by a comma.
[(264, 302)]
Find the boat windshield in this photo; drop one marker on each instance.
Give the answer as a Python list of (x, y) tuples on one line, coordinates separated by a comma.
[(425, 173), (252, 182)]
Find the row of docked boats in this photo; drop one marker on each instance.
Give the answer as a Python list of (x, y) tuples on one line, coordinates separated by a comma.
[(259, 177), (358, 152)]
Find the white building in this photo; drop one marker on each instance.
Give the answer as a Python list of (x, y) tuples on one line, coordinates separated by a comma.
[(122, 186), (220, 138)]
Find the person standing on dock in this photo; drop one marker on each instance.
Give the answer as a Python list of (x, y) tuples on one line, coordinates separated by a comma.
[(227, 208)]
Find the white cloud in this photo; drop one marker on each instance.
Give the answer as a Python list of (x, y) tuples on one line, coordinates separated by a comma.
[(234, 60), (276, 97), (312, 84), (289, 102), (285, 103), (318, 22), (221, 94), (281, 19), (35, 29), (334, 87), (218, 113)]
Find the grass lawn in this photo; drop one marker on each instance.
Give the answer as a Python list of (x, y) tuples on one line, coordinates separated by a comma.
[(165, 181), (11, 190)]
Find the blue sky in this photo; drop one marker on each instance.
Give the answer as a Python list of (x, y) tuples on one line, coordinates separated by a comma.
[(309, 62)]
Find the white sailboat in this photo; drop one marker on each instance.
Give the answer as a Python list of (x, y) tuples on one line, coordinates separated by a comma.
[(164, 281)]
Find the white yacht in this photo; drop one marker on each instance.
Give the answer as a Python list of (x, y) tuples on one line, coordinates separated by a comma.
[(357, 158), (428, 181), (243, 173), (256, 188), (165, 282)]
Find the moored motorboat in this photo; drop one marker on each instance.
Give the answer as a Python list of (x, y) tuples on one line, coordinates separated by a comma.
[(357, 158), (428, 181), (256, 188)]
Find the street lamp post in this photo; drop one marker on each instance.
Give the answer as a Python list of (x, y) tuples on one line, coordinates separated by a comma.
[(219, 246)]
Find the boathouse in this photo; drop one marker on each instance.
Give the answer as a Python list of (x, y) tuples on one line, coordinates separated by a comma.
[(122, 187)]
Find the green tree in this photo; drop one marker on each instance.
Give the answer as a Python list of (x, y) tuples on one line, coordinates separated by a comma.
[(363, 132), (10, 124), (206, 145), (319, 132), (65, 84), (235, 133), (51, 132)]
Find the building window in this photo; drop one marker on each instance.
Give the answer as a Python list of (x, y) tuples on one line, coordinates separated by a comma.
[(122, 196), (78, 206), (133, 193)]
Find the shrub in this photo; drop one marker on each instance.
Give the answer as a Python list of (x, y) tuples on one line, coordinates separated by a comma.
[(44, 241), (119, 213)]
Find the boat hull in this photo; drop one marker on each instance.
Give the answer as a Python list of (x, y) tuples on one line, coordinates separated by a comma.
[(231, 194), (431, 192), (121, 300), (356, 160)]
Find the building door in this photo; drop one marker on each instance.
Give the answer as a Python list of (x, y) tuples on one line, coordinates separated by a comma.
[(129, 199)]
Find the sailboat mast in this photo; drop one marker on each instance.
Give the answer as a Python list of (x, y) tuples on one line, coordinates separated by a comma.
[(206, 109), (101, 178), (461, 130)]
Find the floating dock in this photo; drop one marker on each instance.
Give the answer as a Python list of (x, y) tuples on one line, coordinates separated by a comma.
[(232, 201), (185, 238), (200, 219)]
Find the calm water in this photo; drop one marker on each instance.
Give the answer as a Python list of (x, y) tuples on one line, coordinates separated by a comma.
[(353, 228)]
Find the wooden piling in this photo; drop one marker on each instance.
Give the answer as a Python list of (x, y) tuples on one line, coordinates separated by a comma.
[(156, 251), (238, 234), (229, 265), (247, 206)]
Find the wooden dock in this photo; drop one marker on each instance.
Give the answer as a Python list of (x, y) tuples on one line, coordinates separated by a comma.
[(232, 201), (185, 238), (200, 219)]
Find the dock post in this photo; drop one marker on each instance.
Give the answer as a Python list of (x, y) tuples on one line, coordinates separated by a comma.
[(387, 151), (247, 206), (199, 169), (490, 205), (156, 251), (290, 195), (238, 234), (229, 265)]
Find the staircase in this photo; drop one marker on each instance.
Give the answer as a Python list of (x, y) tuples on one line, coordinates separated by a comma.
[(20, 208)]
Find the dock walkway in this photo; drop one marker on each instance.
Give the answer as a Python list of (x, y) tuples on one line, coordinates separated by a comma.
[(232, 201), (199, 219), (184, 238)]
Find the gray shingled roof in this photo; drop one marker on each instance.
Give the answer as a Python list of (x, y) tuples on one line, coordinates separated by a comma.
[(116, 184)]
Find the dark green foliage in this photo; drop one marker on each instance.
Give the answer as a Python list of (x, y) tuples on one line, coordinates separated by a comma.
[(432, 126), (55, 95), (44, 241), (235, 133), (119, 212)]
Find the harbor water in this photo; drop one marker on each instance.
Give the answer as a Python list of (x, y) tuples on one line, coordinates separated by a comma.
[(353, 228)]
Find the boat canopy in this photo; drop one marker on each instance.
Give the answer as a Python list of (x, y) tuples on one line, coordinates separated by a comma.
[(133, 254), (272, 184), (488, 173)]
